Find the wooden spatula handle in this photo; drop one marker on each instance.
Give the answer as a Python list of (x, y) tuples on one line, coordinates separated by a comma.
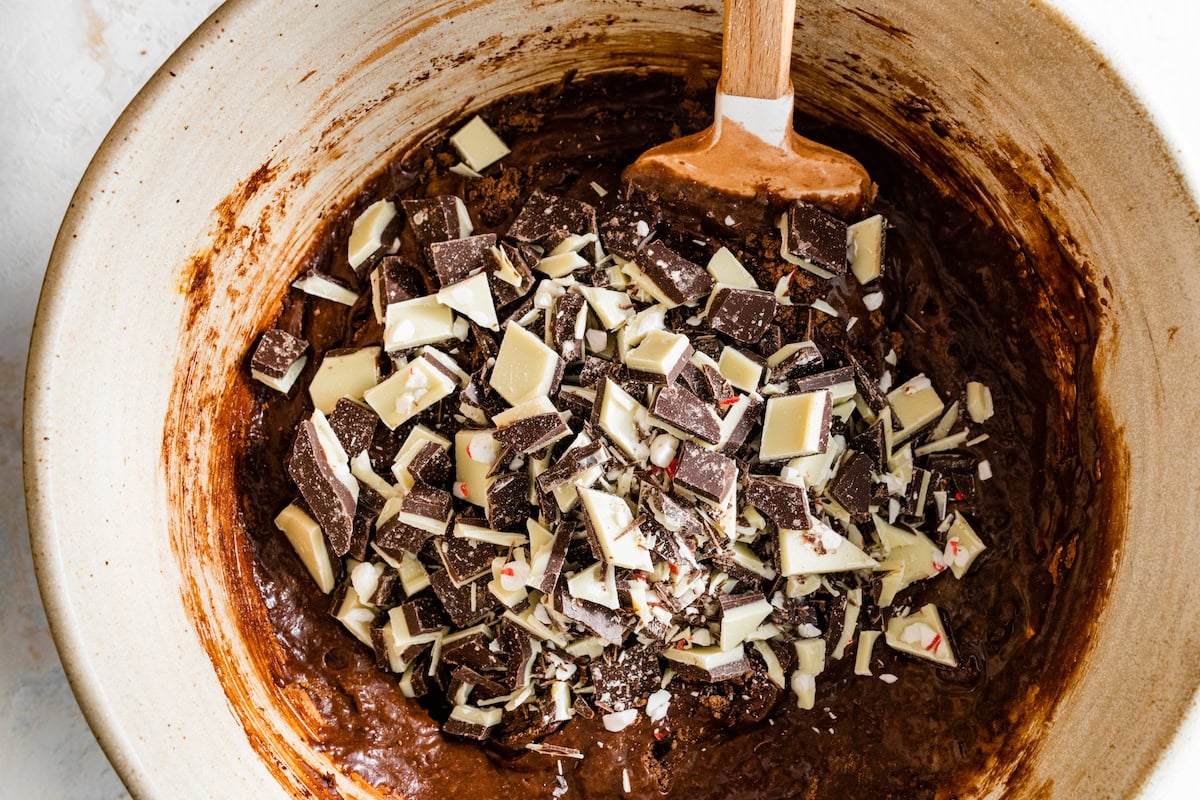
[(756, 55)]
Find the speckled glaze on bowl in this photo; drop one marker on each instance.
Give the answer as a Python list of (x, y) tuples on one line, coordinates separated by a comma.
[(200, 204)]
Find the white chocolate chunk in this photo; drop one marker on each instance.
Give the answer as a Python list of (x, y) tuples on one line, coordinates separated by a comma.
[(710, 658), (483, 717), (816, 470), (528, 620), (478, 533), (821, 550), (810, 655), (344, 375), (525, 368), (473, 298), (963, 545), (561, 265), (620, 418), (285, 383), (364, 579), (862, 656), (411, 389), (610, 520), (979, 402), (659, 352), (412, 323), (354, 615), (478, 145), (611, 307), (333, 453), (738, 623), (306, 538), (506, 271), (595, 583), (474, 453), (946, 423), (804, 686), (530, 408), (739, 369), (725, 268), (364, 473), (651, 318), (774, 668), (914, 405), (849, 622), (864, 244), (413, 575), (560, 697), (620, 720), (741, 554), (573, 243), (367, 234), (322, 287), (921, 634), (796, 425)]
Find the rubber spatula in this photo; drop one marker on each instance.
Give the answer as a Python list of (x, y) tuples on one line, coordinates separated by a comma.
[(749, 164)]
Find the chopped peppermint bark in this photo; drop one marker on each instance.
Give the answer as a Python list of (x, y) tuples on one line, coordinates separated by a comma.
[(623, 473)]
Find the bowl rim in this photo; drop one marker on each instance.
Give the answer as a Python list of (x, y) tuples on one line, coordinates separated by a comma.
[(1181, 133)]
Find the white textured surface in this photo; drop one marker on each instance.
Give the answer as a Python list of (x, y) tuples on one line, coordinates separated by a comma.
[(69, 66), (67, 69)]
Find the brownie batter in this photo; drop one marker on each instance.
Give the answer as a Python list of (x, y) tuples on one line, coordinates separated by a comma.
[(957, 293)]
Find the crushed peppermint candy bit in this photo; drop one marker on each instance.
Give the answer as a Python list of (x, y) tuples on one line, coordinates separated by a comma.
[(629, 473)]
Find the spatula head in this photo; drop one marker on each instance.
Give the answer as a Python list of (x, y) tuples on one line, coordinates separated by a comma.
[(732, 177)]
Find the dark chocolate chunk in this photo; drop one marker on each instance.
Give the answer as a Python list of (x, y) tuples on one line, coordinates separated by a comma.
[(625, 679), (517, 648), (568, 326), (582, 708), (389, 589), (705, 473), (556, 559), (398, 281), (678, 279), (544, 214), (593, 371), (508, 501), (466, 604), (867, 388), (393, 535), (458, 259), (330, 500), (365, 513), (276, 352), (783, 503), (423, 615), (822, 380), (872, 443), (528, 434), (626, 228), (428, 502), (804, 360), (817, 236), (677, 406), (465, 559), (716, 386), (602, 621), (430, 465), (435, 219), (742, 314), (468, 683), (852, 486), (771, 339), (472, 651), (354, 425), (694, 672)]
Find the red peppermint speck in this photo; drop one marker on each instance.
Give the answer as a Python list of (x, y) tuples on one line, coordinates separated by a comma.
[(659, 735), (959, 496), (954, 546), (508, 571), (680, 645), (939, 567), (674, 465), (674, 570), (728, 401), (933, 645)]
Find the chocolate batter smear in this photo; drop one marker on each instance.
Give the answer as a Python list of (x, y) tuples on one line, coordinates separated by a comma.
[(955, 297)]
